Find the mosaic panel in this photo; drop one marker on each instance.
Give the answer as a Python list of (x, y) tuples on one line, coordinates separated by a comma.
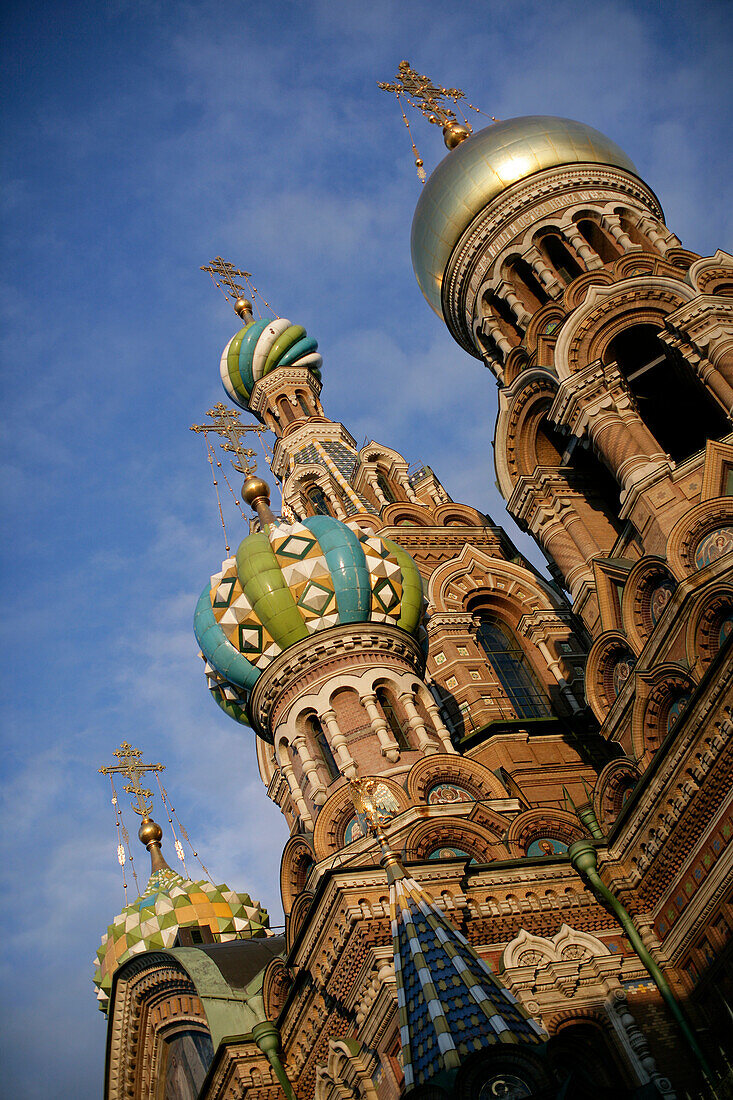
[(713, 546)]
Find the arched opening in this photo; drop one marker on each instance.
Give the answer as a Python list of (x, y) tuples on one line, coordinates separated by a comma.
[(512, 668), (386, 489), (558, 255), (583, 1047), (317, 500), (584, 473), (393, 719), (316, 730), (502, 315), (672, 401), (529, 289), (285, 409), (303, 403), (599, 240)]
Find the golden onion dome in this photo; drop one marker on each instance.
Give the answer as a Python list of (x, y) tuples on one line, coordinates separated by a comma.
[(483, 166)]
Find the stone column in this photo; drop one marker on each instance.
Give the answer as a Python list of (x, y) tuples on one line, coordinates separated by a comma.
[(657, 239), (544, 273), (554, 666), (491, 328), (310, 768), (440, 728), (387, 743), (520, 311), (338, 744), (297, 795), (588, 255), (381, 498), (612, 223), (416, 724)]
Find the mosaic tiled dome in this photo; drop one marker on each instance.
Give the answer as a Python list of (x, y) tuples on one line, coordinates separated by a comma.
[(169, 903), (291, 581), (483, 166), (261, 347)]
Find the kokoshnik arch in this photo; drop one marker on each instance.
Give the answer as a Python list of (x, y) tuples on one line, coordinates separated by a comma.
[(509, 798)]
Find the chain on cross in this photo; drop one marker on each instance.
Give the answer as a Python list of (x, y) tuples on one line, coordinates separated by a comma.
[(223, 271)]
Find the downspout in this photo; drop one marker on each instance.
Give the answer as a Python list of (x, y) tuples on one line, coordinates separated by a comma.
[(584, 860), (267, 1037)]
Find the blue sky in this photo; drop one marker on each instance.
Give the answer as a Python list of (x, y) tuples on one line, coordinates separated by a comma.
[(141, 140)]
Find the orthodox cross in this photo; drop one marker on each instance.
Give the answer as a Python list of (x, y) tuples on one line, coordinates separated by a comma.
[(421, 93), (223, 271), (132, 768), (231, 432)]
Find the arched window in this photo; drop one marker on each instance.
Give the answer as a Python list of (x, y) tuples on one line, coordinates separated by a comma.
[(557, 253), (303, 404), (502, 316), (598, 240), (285, 409), (672, 401), (584, 473), (317, 500), (324, 748), (386, 489), (509, 662), (392, 718)]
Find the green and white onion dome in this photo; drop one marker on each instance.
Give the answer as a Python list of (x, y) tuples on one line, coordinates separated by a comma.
[(480, 169), (294, 580), (261, 347), (168, 903)]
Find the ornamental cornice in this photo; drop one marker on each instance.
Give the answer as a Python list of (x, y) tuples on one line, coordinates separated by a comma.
[(449, 620), (587, 392), (543, 194)]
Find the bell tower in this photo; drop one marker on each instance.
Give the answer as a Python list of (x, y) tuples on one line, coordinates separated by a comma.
[(549, 259)]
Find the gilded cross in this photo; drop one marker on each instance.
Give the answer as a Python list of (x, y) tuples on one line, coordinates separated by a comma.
[(231, 432), (420, 92), (223, 271), (132, 768)]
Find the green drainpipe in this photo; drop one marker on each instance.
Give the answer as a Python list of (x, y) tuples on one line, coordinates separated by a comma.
[(267, 1037), (584, 859)]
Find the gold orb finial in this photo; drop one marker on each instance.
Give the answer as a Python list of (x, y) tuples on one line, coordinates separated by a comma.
[(243, 307), (256, 493), (150, 832), (454, 134)]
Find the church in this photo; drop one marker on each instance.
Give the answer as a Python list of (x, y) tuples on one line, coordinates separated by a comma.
[(508, 794)]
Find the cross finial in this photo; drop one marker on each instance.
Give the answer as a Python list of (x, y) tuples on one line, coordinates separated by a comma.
[(226, 424), (132, 768), (224, 272), (430, 99)]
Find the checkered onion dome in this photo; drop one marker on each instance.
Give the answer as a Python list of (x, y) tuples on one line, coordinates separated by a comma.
[(260, 347), (294, 580), (171, 902)]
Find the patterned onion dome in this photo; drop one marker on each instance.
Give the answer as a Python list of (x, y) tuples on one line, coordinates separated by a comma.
[(261, 347), (291, 581), (171, 902), (483, 166)]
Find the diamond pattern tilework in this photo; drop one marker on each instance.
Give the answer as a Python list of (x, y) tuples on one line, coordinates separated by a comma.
[(169, 903)]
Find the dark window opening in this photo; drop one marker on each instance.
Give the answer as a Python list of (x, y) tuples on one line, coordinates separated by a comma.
[(317, 499), (504, 318), (386, 489), (584, 472), (303, 404), (324, 748), (672, 401), (510, 663), (393, 720), (529, 289), (634, 234), (559, 256), (599, 241)]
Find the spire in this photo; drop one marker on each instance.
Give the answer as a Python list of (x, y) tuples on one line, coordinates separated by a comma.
[(131, 767), (449, 1002)]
